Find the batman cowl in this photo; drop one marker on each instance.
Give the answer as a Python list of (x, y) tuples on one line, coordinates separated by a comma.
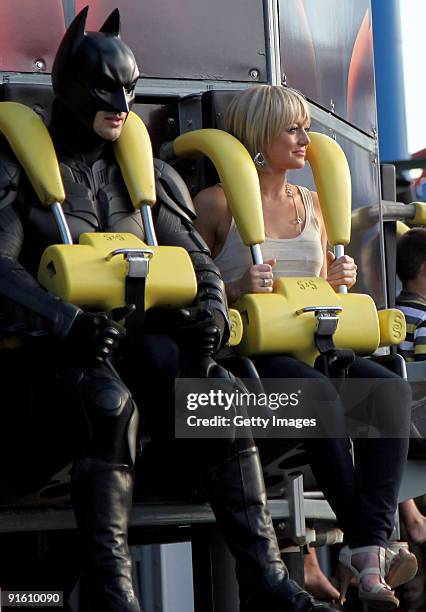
[(94, 71)]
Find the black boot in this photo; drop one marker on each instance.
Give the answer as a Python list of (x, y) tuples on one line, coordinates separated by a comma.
[(102, 498), (237, 496)]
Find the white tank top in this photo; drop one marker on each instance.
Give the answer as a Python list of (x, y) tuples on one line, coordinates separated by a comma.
[(298, 256)]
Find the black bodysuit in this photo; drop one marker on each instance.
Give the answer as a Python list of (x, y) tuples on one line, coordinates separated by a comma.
[(50, 410)]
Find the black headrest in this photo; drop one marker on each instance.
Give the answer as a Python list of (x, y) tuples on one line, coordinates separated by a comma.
[(38, 97)]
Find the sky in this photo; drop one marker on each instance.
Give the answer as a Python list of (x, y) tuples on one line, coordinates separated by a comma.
[(413, 30)]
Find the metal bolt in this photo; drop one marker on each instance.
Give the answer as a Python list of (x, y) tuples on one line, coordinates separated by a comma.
[(284, 79), (39, 65), (37, 108), (254, 74), (332, 105), (170, 120)]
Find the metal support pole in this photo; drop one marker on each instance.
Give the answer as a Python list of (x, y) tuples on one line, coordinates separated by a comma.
[(256, 254), (297, 524), (339, 251), (272, 38), (61, 223), (148, 225), (389, 79)]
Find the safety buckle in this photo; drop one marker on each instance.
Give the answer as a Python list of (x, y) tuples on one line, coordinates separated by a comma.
[(326, 316), (138, 260)]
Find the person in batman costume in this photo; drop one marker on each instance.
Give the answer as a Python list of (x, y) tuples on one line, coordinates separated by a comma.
[(75, 405)]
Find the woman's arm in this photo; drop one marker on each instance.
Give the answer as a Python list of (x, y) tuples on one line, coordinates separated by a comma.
[(213, 217), (340, 271), (252, 281), (213, 222)]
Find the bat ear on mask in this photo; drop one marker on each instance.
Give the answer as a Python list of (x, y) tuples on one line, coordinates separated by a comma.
[(112, 24), (72, 39)]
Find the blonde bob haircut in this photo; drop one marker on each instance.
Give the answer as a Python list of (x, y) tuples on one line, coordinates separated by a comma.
[(258, 114)]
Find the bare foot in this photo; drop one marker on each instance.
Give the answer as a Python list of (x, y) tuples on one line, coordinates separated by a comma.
[(316, 583), (414, 521)]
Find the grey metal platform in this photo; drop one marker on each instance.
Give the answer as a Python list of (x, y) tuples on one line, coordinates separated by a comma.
[(51, 518)]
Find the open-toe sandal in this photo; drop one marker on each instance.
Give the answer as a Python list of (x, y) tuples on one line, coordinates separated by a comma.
[(380, 596)]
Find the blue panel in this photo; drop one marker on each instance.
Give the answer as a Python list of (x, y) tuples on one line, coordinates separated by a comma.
[(389, 80)]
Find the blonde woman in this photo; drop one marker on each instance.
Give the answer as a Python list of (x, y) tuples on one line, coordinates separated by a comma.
[(273, 124)]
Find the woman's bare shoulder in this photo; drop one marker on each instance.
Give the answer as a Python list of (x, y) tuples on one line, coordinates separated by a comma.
[(209, 199), (213, 216)]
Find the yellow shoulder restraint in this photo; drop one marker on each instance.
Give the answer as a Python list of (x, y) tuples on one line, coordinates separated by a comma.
[(284, 321), (92, 274)]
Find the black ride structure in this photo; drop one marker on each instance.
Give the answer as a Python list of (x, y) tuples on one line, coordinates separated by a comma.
[(192, 58)]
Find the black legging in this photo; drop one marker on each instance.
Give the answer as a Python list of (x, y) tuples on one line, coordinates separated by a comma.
[(44, 426), (363, 497), (52, 413), (150, 374)]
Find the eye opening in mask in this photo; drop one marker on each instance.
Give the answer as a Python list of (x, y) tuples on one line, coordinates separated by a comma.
[(107, 86), (130, 89)]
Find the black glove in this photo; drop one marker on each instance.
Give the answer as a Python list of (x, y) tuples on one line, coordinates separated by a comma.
[(199, 330), (93, 337)]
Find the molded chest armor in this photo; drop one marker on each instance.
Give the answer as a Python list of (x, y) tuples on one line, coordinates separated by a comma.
[(96, 201)]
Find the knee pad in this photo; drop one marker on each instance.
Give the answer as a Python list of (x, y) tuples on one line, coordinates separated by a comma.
[(111, 416)]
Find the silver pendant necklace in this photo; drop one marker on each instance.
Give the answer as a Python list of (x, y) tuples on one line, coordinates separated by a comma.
[(297, 221)]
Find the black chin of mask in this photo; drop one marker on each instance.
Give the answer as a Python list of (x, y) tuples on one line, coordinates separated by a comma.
[(94, 71)]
